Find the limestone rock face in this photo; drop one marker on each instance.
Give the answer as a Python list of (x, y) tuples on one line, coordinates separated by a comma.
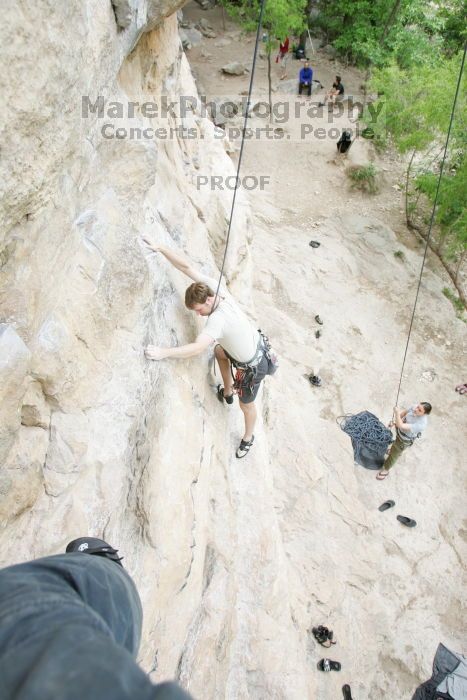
[(94, 439), (14, 364), (235, 560)]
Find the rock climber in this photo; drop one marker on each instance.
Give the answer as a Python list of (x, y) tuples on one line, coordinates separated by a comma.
[(238, 343), (410, 424)]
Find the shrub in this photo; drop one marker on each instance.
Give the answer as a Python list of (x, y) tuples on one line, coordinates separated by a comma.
[(364, 178)]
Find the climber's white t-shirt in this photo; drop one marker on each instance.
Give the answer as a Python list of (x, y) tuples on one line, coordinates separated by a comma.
[(229, 326)]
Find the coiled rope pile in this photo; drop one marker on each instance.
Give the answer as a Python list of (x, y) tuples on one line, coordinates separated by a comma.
[(370, 438)]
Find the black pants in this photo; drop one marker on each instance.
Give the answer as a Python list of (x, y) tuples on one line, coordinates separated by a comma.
[(70, 628), (307, 87)]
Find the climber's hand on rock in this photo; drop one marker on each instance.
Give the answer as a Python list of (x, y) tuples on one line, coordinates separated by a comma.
[(152, 352)]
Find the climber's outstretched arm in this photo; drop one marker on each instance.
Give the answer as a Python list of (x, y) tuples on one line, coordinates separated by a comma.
[(201, 343), (177, 260)]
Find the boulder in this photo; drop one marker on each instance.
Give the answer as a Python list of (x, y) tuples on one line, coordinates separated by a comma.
[(330, 50), (190, 36), (206, 29), (234, 68)]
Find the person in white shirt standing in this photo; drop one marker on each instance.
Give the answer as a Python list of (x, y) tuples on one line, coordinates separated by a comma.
[(409, 424), (238, 342)]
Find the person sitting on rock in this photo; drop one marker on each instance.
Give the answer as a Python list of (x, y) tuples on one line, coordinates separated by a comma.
[(238, 343), (336, 93), (305, 79), (409, 425)]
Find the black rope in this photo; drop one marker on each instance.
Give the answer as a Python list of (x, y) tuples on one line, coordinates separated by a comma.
[(435, 204), (252, 75)]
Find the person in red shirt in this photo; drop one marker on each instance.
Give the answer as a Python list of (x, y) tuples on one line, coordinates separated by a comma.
[(283, 56)]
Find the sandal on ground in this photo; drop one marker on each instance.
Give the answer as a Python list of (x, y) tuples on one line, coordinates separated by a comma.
[(386, 505), (318, 320), (221, 397), (314, 244), (408, 522), (244, 448), (382, 475), (346, 692), (318, 334), (323, 636), (329, 665)]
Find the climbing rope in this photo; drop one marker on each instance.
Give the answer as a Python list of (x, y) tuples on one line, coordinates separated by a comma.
[(435, 204), (245, 121), (366, 430)]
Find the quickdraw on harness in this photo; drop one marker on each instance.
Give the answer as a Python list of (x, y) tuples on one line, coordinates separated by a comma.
[(244, 377)]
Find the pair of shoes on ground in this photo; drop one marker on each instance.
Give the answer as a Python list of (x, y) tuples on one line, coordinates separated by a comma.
[(408, 522), (317, 335), (461, 388), (324, 636), (92, 545)]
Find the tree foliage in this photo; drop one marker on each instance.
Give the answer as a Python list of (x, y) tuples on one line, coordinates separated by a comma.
[(374, 32), (281, 18), (417, 112)]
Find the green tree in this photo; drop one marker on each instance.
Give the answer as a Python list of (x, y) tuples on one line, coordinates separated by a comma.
[(375, 32), (417, 104)]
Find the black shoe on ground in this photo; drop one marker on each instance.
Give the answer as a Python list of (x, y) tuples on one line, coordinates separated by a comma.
[(92, 545), (314, 380)]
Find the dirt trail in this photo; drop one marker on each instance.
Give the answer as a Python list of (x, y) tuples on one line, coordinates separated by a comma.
[(390, 594)]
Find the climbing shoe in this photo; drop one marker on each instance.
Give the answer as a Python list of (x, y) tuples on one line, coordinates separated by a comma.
[(244, 448), (91, 545), (222, 398)]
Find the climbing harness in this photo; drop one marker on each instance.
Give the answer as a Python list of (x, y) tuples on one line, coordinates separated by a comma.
[(406, 438), (244, 377)]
